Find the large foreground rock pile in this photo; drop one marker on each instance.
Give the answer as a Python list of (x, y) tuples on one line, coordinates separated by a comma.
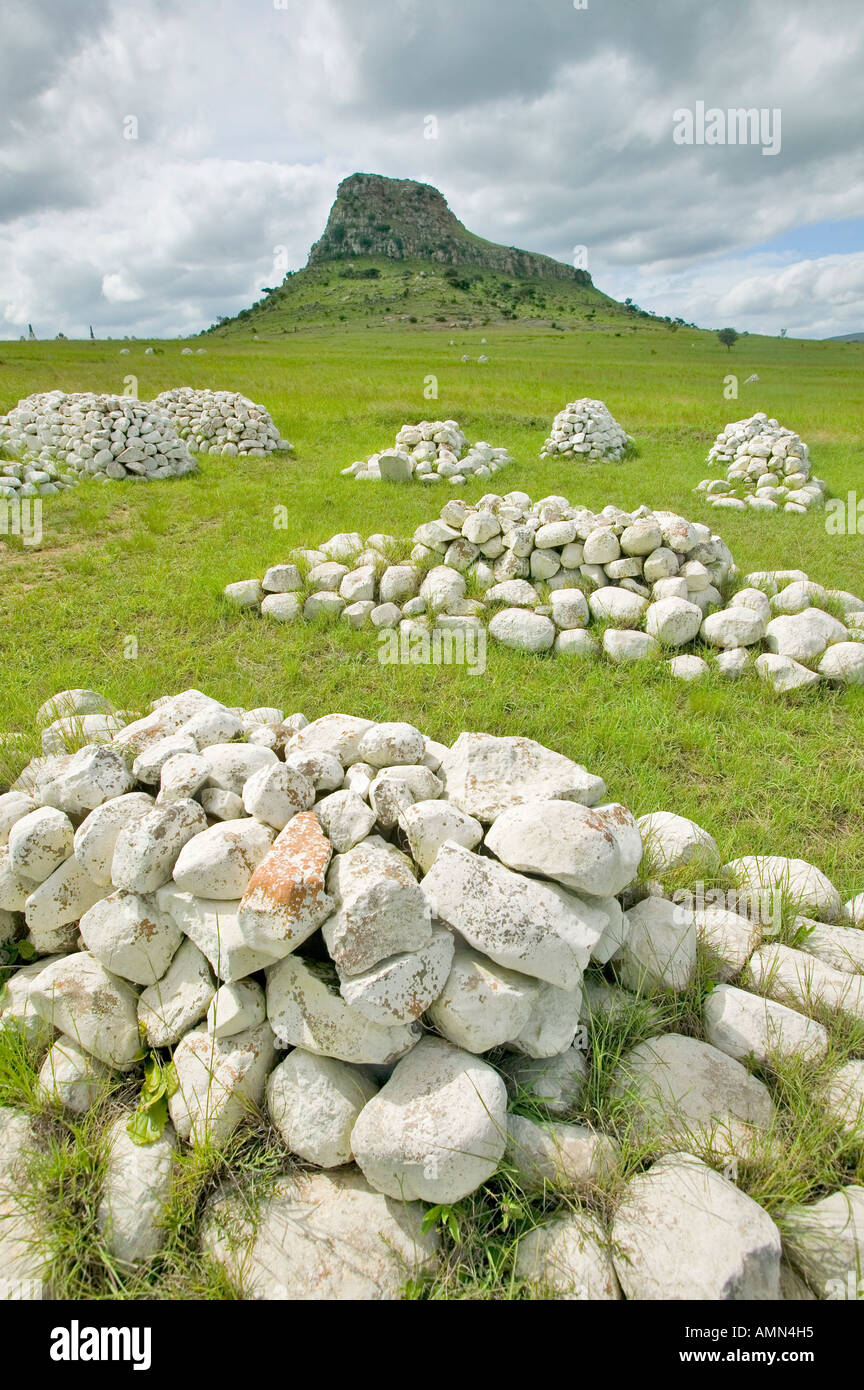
[(548, 576), (221, 422), (87, 435), (431, 452), (586, 429), (381, 941), (767, 469)]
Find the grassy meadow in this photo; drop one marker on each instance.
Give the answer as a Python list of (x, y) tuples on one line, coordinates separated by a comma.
[(762, 773), (123, 560)]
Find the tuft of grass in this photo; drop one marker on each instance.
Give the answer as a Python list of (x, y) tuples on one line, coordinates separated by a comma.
[(804, 1155)]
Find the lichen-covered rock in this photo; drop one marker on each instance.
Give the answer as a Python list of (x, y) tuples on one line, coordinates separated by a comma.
[(306, 1010), (345, 818), (314, 1103), (90, 1005), (220, 1082), (534, 928), (568, 1258), (566, 1157), (683, 1090), (728, 937), (275, 793), (146, 851), (402, 987), (130, 936), (321, 1237), (70, 1077), (482, 1005), (844, 1099), (94, 775), (659, 946), (24, 1261), (137, 1188), (437, 1129), (841, 947), (236, 1007), (174, 1004), (39, 843), (670, 840), (745, 1025), (683, 1231), (17, 1006), (552, 1024), (57, 903), (811, 890), (485, 775), (220, 861), (380, 909), (594, 850), (825, 1241), (286, 899), (96, 836), (212, 925), (798, 979)]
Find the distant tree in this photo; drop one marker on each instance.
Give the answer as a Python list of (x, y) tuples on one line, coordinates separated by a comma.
[(783, 332), (728, 337)]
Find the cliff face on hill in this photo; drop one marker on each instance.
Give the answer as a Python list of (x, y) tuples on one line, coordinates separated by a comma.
[(404, 220)]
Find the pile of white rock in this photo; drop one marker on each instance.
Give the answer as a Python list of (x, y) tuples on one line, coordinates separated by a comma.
[(338, 922), (221, 422), (543, 575), (82, 435), (431, 452), (40, 479), (586, 429), (767, 469)]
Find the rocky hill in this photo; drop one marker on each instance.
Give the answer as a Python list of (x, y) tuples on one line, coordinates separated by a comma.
[(393, 254), (403, 220)]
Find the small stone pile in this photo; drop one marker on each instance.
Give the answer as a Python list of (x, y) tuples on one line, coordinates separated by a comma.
[(381, 940), (42, 479), (221, 422), (431, 452), (767, 469), (586, 429), (82, 435), (543, 574)]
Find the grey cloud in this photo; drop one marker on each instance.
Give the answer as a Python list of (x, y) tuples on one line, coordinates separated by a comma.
[(555, 131)]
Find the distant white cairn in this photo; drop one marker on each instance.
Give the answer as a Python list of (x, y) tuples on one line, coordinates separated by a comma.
[(767, 469)]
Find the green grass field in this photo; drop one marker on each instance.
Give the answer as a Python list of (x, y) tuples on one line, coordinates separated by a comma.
[(122, 560), (761, 772), (372, 291)]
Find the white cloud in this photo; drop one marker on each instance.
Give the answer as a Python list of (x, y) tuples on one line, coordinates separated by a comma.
[(835, 282), (555, 130), (822, 297), (118, 289)]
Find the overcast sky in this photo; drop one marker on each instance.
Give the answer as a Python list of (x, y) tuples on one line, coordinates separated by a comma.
[(554, 124)]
